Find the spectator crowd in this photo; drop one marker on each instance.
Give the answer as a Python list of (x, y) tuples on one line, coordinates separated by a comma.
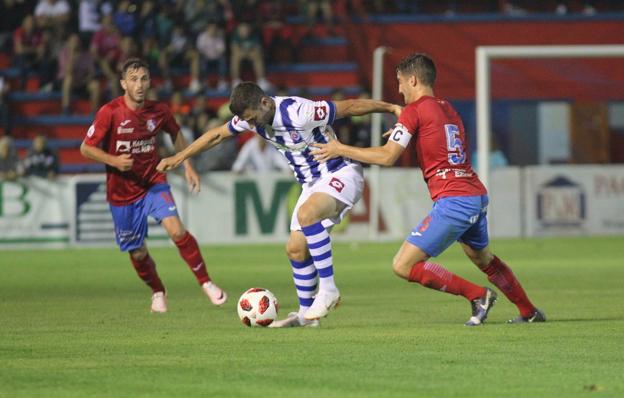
[(75, 47), (40, 161)]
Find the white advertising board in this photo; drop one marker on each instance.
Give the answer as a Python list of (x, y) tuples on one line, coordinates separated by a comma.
[(574, 200), (532, 201)]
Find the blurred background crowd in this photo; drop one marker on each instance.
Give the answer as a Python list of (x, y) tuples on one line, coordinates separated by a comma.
[(197, 51)]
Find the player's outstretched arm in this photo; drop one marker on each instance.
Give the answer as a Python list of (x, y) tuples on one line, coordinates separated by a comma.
[(121, 162), (192, 178), (386, 155), (209, 139), (358, 107)]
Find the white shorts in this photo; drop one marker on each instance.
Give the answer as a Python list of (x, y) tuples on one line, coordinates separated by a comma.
[(346, 185)]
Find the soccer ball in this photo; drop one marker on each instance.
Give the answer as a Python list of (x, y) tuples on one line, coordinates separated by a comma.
[(257, 307)]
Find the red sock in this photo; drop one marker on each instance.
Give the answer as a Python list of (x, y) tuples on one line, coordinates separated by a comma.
[(435, 276), (189, 250), (146, 269), (501, 275)]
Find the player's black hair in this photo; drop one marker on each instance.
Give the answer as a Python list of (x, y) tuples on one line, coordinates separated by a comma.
[(419, 65), (133, 63), (246, 95)]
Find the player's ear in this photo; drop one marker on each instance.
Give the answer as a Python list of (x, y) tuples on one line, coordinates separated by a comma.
[(123, 83)]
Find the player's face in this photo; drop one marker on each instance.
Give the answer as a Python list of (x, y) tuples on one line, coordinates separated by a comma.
[(261, 116), (406, 86), (136, 83)]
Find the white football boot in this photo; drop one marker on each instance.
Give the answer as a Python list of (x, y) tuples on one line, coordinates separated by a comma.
[(214, 293), (159, 303), (323, 302), (293, 320)]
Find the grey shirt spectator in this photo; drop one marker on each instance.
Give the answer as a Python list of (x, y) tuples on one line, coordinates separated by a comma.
[(41, 161)]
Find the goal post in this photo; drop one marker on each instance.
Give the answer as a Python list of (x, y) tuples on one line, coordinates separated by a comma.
[(374, 179), (484, 54)]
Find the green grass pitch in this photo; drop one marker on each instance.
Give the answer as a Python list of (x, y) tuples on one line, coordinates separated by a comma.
[(76, 323)]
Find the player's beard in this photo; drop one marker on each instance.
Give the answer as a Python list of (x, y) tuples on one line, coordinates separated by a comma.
[(267, 119), (136, 98)]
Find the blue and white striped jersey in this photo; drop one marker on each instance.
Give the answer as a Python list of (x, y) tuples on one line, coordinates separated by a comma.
[(298, 122)]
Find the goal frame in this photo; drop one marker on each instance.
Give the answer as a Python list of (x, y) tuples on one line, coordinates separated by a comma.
[(485, 54)]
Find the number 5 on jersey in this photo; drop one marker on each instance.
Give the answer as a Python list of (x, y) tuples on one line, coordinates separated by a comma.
[(454, 144)]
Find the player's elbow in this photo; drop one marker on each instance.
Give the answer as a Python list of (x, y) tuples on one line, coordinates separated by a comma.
[(386, 162), (84, 150), (390, 153)]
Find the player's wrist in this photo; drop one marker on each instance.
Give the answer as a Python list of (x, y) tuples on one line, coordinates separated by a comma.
[(340, 148), (188, 166), (178, 158)]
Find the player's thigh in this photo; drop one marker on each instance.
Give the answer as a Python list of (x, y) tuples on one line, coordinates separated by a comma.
[(162, 207), (434, 234), (130, 225), (475, 239), (406, 257), (451, 219), (317, 207), (345, 186), (297, 246)]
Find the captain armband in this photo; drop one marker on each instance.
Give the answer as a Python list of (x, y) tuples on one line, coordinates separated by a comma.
[(400, 135)]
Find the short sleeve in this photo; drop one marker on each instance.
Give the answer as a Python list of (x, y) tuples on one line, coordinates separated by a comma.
[(100, 127), (409, 119), (317, 113)]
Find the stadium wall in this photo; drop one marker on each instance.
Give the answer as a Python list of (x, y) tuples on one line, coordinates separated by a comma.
[(452, 44), (531, 201)]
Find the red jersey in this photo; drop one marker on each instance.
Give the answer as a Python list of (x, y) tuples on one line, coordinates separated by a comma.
[(119, 129), (440, 143)]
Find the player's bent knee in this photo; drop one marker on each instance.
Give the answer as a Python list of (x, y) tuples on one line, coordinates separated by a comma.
[(400, 269), (481, 258), (177, 236), (296, 251), (139, 254), (305, 216)]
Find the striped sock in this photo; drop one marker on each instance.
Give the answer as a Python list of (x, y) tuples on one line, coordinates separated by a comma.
[(305, 277), (319, 244)]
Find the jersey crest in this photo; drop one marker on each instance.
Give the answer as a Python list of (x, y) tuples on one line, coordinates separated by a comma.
[(151, 125)]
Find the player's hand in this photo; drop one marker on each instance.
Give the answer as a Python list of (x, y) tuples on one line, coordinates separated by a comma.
[(387, 133), (325, 152), (192, 178), (397, 109), (168, 164), (123, 162)]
